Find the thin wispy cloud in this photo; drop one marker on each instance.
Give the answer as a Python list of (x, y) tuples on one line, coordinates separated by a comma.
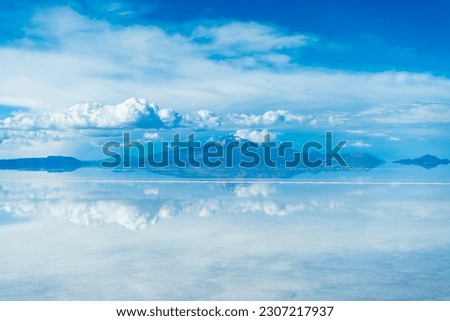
[(360, 144), (264, 44), (66, 58), (415, 113)]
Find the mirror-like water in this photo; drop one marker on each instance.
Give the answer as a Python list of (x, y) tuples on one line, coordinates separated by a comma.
[(86, 237)]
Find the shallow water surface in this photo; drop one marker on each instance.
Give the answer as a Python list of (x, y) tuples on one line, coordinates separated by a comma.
[(96, 236)]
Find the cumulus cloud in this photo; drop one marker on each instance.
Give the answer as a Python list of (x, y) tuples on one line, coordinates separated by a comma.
[(268, 118), (256, 136), (169, 117), (132, 113), (202, 119), (151, 136)]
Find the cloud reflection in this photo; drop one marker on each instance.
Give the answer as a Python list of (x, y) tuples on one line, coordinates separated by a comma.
[(168, 240)]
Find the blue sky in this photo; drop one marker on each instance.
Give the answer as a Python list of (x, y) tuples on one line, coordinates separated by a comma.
[(70, 70), (355, 35)]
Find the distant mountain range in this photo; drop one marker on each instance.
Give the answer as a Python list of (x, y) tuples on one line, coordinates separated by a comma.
[(427, 161), (355, 161), (359, 162), (49, 164)]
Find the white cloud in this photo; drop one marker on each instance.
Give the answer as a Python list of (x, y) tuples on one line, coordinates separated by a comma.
[(409, 114), (42, 198), (132, 113), (151, 136), (268, 207), (237, 38), (202, 207), (82, 212), (92, 60), (202, 119), (360, 144), (238, 70), (356, 131), (151, 192), (169, 117), (166, 211), (256, 136), (252, 190), (38, 143), (335, 121), (268, 118)]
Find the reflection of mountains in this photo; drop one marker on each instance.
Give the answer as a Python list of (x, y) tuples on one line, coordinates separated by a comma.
[(427, 161)]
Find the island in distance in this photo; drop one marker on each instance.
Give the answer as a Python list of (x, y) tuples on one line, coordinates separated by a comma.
[(427, 161)]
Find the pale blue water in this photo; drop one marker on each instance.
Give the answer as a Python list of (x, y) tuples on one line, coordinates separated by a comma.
[(98, 235)]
